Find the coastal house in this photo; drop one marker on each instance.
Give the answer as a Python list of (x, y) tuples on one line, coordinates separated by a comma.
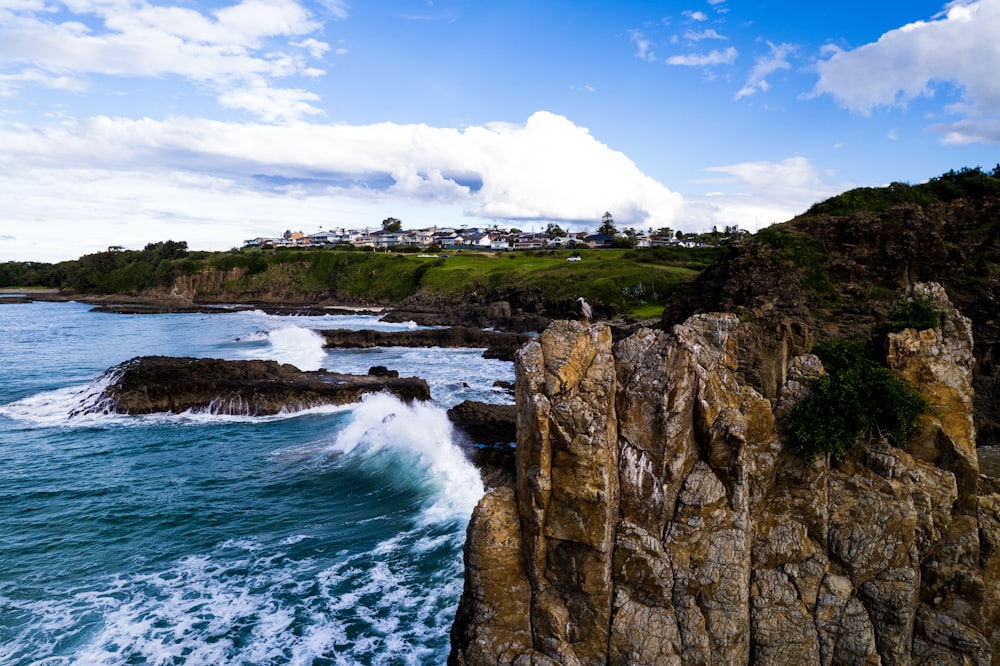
[(444, 238), (599, 240)]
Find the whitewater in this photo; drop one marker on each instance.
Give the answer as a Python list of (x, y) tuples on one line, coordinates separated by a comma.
[(329, 536)]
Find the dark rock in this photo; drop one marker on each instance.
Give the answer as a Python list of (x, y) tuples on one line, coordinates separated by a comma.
[(150, 384), (506, 386), (498, 344), (516, 315), (382, 371), (490, 432)]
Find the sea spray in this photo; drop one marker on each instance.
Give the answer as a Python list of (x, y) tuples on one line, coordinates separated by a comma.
[(204, 539), (298, 346), (421, 431), (84, 405)]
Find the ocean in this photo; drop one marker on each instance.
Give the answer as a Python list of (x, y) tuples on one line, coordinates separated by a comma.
[(330, 536)]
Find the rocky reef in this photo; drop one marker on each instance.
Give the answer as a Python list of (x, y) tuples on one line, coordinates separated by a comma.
[(150, 384), (659, 516), (498, 344)]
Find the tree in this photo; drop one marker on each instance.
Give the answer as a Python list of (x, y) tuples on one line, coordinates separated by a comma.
[(391, 224), (607, 225), (553, 230), (665, 232)]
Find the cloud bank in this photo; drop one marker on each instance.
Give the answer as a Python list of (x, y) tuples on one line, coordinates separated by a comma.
[(237, 51), (958, 49), (115, 170)]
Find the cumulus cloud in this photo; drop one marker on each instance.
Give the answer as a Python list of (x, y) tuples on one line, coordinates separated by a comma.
[(545, 169), (695, 15), (764, 66), (753, 195), (715, 57), (237, 50), (958, 48)]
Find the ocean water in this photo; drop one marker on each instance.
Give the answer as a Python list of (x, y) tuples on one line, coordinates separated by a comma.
[(331, 536)]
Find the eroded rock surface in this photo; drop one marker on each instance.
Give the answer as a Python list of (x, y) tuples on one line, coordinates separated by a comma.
[(150, 384), (659, 518)]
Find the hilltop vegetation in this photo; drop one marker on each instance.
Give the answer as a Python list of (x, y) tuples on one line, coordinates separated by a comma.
[(615, 281), (966, 183)]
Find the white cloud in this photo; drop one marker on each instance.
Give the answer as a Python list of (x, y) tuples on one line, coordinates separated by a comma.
[(753, 195), (693, 36), (714, 57), (765, 66), (958, 48), (695, 15), (230, 181), (642, 45), (238, 50)]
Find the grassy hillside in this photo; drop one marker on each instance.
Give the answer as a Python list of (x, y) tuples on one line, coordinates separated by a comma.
[(634, 282)]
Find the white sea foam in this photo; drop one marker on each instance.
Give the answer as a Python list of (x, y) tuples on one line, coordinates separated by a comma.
[(248, 603), (421, 430), (302, 347), (84, 405), (78, 407)]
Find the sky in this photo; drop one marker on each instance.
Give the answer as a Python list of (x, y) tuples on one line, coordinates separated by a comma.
[(128, 122)]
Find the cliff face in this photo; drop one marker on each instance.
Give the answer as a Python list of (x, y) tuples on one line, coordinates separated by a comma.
[(835, 276), (658, 517)]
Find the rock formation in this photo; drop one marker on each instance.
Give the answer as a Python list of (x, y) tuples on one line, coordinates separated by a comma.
[(822, 275), (659, 517), (498, 344), (150, 384)]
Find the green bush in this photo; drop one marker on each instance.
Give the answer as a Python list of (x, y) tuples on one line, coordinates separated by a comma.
[(915, 312), (857, 397)]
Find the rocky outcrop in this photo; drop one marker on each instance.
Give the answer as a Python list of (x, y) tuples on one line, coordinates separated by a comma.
[(820, 276), (659, 517), (151, 384), (498, 344), (437, 310)]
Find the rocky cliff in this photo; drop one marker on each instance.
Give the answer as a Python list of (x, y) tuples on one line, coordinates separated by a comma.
[(660, 518), (821, 275)]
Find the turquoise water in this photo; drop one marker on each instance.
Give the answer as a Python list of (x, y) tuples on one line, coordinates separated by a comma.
[(331, 536)]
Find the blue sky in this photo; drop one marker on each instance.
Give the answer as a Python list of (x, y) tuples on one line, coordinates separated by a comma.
[(125, 122)]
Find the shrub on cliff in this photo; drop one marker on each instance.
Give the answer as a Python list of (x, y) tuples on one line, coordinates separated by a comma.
[(857, 396)]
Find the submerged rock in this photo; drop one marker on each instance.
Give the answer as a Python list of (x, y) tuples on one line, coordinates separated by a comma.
[(660, 518), (150, 384)]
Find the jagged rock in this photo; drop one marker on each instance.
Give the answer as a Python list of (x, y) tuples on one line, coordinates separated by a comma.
[(840, 280), (663, 520), (497, 628), (150, 384), (940, 362)]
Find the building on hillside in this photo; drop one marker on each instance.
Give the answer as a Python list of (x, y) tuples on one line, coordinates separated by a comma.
[(599, 240)]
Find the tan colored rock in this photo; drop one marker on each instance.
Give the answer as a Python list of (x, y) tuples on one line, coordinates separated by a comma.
[(939, 363), (663, 520), (567, 463), (491, 624)]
